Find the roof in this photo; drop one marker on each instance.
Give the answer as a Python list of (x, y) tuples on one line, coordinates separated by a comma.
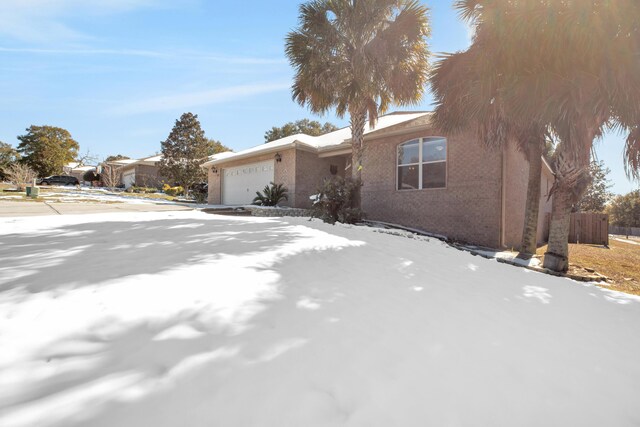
[(123, 161), (153, 160), (84, 168), (324, 142), (144, 161)]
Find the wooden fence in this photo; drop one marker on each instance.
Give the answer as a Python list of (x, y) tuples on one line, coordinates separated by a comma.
[(625, 231), (588, 228)]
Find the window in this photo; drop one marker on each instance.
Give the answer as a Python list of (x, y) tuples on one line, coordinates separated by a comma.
[(422, 163)]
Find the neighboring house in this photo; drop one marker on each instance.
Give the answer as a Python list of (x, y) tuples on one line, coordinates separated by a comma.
[(413, 175), (142, 172), (77, 170), (111, 171)]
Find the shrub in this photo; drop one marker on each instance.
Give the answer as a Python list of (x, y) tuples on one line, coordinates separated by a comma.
[(141, 190), (335, 201), (271, 195), (199, 192), (91, 176), (20, 175), (172, 191)]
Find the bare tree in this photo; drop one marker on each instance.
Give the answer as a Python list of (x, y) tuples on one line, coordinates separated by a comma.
[(20, 175), (111, 175), (86, 159)]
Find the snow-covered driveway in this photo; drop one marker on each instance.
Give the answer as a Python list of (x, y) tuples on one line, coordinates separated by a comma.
[(189, 319)]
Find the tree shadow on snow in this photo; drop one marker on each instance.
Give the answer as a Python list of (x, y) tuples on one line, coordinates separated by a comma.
[(132, 366), (85, 254)]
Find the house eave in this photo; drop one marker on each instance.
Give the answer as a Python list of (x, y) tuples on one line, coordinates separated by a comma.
[(335, 150), (242, 156), (384, 133)]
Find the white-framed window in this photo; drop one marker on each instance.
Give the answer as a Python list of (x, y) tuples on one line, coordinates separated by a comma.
[(422, 163)]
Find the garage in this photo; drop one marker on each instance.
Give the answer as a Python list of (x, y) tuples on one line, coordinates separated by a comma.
[(239, 184), (129, 178)]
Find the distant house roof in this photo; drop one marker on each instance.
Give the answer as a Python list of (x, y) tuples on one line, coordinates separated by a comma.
[(71, 165), (83, 168), (153, 160), (150, 161), (326, 142), (122, 162)]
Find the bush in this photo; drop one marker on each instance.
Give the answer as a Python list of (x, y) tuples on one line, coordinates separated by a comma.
[(335, 201), (200, 192), (271, 195), (172, 191), (141, 190), (91, 176)]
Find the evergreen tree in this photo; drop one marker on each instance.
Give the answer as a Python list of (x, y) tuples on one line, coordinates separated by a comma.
[(116, 157), (184, 150), (46, 149), (8, 157), (597, 195), (306, 126), (215, 147)]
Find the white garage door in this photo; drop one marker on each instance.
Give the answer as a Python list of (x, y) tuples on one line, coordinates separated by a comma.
[(129, 178), (239, 184)]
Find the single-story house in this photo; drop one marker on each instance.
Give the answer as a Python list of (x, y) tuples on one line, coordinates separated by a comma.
[(142, 172), (77, 170), (413, 175)]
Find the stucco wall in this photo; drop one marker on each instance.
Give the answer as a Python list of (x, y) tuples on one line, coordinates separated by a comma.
[(468, 209), (284, 173)]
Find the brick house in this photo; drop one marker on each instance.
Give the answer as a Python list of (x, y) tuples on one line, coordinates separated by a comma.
[(413, 175), (77, 170), (142, 173)]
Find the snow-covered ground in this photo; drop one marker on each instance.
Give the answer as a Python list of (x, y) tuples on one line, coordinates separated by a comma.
[(189, 319), (71, 194), (90, 194)]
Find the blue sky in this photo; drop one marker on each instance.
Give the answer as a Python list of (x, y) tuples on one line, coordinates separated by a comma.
[(118, 73)]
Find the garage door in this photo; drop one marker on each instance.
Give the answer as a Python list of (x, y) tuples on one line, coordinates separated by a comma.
[(129, 178), (239, 184)]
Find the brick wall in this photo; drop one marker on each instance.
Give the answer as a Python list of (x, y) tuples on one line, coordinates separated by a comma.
[(310, 172), (517, 175), (213, 179), (468, 209), (148, 176), (516, 178)]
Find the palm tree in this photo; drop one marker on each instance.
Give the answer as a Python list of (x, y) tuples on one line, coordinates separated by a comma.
[(359, 57), (470, 93), (589, 74), (572, 65)]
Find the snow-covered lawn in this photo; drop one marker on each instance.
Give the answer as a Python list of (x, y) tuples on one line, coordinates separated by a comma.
[(71, 194), (92, 194), (189, 319)]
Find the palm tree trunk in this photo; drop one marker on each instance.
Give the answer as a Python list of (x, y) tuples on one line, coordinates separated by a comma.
[(530, 227), (357, 140), (572, 179), (557, 256)]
